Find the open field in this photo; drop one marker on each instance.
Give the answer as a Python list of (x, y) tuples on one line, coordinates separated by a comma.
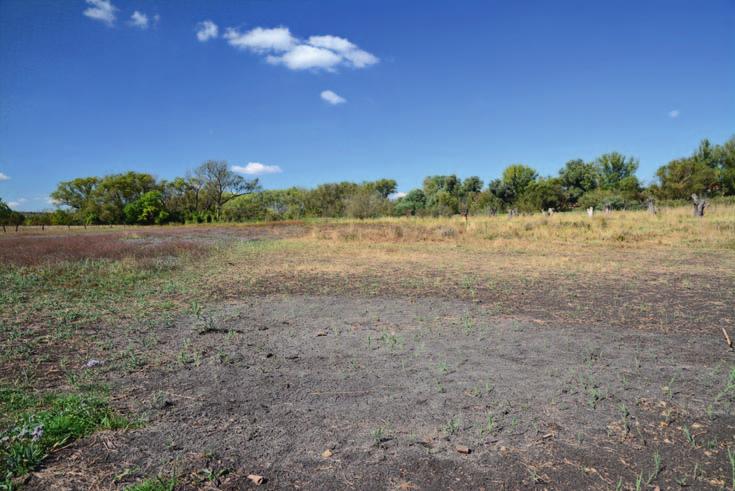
[(561, 352)]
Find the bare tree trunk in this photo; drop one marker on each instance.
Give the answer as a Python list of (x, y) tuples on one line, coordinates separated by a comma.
[(4, 228), (590, 212), (699, 204), (652, 206)]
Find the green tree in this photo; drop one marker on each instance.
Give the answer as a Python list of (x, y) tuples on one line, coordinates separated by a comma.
[(412, 204), (442, 194), (147, 209), (366, 203), (40, 219), (384, 187), (220, 184), (472, 185), (614, 167), (5, 213), (77, 193), (517, 177), (725, 158), (248, 207), (486, 203), (501, 191), (680, 178), (62, 217), (542, 194), (328, 200), (16, 219), (113, 193), (577, 177)]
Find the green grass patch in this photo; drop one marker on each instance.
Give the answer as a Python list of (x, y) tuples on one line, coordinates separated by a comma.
[(42, 424), (154, 484)]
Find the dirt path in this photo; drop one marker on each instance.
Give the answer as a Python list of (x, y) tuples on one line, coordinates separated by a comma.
[(393, 388)]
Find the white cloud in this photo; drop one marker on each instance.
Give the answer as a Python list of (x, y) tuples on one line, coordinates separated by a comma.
[(52, 201), (674, 114), (139, 20), (332, 98), (360, 59), (15, 204), (256, 168), (315, 53), (261, 40), (101, 10), (304, 57), (357, 57), (398, 195), (4, 177), (334, 43), (207, 30)]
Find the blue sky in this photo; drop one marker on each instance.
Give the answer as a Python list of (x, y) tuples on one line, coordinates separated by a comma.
[(89, 87)]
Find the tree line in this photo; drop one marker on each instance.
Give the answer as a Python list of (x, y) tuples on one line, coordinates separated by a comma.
[(212, 193)]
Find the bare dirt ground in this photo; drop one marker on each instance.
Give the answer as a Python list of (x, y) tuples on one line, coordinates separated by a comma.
[(393, 388)]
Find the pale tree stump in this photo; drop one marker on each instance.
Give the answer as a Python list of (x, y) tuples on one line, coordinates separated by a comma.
[(699, 204), (590, 212)]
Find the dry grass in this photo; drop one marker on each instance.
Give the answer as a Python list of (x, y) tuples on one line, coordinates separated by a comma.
[(25, 250), (624, 268), (624, 243), (633, 229)]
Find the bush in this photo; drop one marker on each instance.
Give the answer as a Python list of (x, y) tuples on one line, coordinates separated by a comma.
[(601, 198), (366, 204), (542, 195)]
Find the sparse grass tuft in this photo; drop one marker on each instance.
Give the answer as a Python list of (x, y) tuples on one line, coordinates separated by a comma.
[(154, 484), (452, 426)]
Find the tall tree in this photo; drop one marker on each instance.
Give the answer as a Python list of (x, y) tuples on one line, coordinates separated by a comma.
[(384, 187), (517, 177), (542, 194), (442, 194), (77, 193), (725, 157), (471, 185), (221, 184), (578, 177), (5, 214), (679, 179), (116, 191), (614, 167)]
